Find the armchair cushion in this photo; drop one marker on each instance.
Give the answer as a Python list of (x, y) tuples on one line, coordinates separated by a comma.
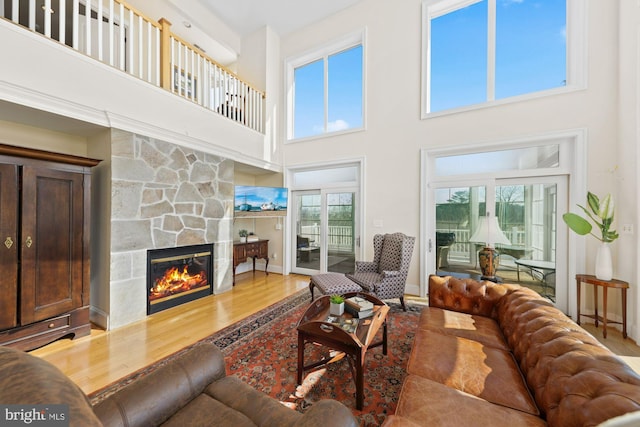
[(367, 280)]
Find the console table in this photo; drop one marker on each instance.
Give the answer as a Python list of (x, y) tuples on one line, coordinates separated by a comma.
[(605, 284), (244, 250)]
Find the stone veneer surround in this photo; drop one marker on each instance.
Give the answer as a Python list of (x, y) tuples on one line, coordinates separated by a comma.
[(164, 195)]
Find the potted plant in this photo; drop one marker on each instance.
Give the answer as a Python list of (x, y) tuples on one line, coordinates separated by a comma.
[(337, 305), (243, 235), (601, 213)]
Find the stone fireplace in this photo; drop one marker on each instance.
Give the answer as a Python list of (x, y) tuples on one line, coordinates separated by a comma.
[(154, 194)]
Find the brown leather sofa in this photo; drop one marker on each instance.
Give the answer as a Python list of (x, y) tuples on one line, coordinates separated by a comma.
[(501, 355), (190, 390)]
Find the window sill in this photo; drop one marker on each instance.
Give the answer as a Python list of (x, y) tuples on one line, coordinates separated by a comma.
[(505, 101), (325, 135)]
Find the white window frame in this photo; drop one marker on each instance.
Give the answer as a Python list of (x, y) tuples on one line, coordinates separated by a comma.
[(576, 55), (346, 42)]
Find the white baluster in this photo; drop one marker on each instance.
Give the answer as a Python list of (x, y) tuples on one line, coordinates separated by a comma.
[(149, 52), (131, 44), (32, 15), (158, 64), (76, 26), (15, 11), (172, 65), (62, 21), (99, 22), (140, 49), (122, 49), (47, 18), (87, 20), (111, 38)]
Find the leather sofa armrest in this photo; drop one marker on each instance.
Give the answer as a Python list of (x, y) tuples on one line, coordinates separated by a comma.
[(29, 380), (152, 399), (327, 413)]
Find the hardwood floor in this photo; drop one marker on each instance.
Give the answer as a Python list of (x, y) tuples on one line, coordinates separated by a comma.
[(103, 357), (96, 361)]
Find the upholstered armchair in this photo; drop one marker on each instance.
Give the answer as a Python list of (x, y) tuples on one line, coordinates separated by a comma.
[(386, 275)]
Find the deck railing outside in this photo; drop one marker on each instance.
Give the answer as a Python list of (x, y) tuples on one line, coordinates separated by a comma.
[(463, 250), (340, 237), (121, 36)]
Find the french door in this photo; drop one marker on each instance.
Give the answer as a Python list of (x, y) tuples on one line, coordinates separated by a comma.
[(326, 230), (533, 248)]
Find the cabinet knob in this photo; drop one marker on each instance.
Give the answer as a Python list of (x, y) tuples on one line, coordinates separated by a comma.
[(52, 325), (8, 242), (29, 241)]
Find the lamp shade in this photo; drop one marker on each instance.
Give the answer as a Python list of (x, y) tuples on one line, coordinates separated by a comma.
[(489, 232)]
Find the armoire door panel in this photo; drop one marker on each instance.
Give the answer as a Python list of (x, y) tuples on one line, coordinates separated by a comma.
[(52, 243), (8, 245)]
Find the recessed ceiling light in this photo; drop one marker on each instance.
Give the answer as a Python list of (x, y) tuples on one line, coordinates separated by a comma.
[(186, 24)]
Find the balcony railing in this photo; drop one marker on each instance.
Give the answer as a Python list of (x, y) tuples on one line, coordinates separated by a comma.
[(117, 34)]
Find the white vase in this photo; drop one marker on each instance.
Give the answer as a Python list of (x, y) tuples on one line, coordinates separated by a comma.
[(604, 266), (336, 309)]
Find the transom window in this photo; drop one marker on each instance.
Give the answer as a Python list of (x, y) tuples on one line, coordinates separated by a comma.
[(325, 89), (482, 51)]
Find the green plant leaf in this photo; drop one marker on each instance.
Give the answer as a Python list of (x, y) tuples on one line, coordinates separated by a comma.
[(606, 208), (594, 203), (578, 224)]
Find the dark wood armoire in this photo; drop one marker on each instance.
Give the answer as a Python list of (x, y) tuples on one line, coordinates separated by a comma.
[(44, 246)]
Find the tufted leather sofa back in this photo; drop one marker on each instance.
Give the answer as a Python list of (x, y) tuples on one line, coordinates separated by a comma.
[(575, 380), (466, 295)]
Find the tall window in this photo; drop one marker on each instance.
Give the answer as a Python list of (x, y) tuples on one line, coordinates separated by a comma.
[(325, 89), (480, 51)]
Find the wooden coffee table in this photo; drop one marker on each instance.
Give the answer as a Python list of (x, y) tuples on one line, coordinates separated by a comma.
[(314, 327)]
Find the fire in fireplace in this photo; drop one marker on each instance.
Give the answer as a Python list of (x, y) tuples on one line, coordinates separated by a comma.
[(178, 275)]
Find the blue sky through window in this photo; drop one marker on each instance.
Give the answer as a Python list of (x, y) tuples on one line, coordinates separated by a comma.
[(344, 94), (530, 51)]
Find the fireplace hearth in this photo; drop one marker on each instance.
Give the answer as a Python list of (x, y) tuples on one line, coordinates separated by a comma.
[(178, 275)]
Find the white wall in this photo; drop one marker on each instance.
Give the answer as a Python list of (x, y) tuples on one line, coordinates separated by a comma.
[(395, 133)]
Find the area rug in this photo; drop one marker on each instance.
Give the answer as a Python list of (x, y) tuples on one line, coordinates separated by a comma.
[(262, 351)]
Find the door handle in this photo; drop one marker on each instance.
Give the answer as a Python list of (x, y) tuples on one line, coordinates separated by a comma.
[(8, 242), (29, 241)]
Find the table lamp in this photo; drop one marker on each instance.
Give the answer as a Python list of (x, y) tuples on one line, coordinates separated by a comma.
[(489, 233)]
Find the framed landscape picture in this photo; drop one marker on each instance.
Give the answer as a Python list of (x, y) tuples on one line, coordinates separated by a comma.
[(252, 201)]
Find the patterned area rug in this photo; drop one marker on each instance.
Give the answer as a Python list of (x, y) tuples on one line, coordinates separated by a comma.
[(262, 351)]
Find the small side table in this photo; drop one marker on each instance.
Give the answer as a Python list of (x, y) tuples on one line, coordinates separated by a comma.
[(605, 284)]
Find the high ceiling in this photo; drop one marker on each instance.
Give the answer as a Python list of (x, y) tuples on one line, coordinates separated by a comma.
[(283, 16)]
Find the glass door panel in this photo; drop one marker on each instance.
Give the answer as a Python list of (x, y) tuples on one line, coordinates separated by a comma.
[(528, 215), (341, 233), (457, 212), (308, 226)]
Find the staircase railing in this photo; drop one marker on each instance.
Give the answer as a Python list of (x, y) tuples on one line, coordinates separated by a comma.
[(117, 34)]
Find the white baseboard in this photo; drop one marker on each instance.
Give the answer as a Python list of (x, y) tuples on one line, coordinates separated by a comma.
[(99, 317)]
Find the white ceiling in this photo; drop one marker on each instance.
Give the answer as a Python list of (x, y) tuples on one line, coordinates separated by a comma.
[(283, 16)]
